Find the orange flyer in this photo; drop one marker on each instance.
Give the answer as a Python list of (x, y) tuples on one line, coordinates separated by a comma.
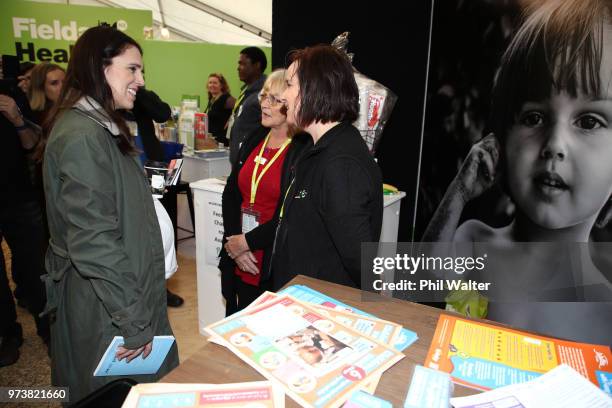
[(485, 356)]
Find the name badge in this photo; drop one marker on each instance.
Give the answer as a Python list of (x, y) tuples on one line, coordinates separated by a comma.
[(250, 220), (261, 160)]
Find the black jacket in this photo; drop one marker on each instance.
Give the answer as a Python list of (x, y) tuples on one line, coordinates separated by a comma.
[(247, 117), (335, 204), (261, 237), (148, 107), (16, 184)]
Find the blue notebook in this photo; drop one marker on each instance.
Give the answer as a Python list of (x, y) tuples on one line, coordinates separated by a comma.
[(109, 365)]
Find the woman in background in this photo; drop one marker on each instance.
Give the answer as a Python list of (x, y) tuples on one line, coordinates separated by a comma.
[(220, 104), (251, 199), (106, 259), (46, 82)]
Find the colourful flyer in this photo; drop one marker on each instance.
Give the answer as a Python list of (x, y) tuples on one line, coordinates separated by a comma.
[(380, 330), (484, 356), (372, 327), (306, 294), (261, 394), (318, 361)]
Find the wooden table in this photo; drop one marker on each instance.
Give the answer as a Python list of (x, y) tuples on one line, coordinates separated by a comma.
[(216, 364)]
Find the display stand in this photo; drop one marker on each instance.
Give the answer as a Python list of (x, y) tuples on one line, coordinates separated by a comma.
[(203, 166), (209, 234)]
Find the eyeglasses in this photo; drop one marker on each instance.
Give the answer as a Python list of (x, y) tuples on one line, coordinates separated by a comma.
[(272, 100)]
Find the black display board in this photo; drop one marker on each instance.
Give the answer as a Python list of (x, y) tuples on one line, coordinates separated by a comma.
[(389, 40)]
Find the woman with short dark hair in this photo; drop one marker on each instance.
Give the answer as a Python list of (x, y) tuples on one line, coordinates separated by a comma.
[(105, 264), (335, 202)]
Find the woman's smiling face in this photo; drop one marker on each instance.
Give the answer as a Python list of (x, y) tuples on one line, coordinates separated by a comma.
[(124, 76)]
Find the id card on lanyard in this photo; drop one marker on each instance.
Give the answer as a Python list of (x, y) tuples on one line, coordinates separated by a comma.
[(250, 217)]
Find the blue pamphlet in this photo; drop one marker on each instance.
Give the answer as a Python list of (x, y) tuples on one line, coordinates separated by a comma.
[(429, 389), (362, 399), (306, 294), (109, 365)]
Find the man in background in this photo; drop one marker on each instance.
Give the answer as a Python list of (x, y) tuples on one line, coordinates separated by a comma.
[(246, 116), (148, 108)]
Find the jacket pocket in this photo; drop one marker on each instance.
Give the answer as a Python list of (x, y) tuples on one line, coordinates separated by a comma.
[(57, 264)]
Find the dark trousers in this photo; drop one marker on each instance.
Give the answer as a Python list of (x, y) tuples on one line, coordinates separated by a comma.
[(22, 228), (245, 294)]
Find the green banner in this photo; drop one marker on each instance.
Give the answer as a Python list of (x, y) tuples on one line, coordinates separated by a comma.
[(47, 32)]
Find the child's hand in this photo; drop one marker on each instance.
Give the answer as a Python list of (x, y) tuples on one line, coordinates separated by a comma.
[(478, 171), (605, 215)]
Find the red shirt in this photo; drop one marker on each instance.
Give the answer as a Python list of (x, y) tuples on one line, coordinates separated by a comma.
[(266, 199)]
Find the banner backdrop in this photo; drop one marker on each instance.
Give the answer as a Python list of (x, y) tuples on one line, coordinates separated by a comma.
[(40, 32), (516, 168)]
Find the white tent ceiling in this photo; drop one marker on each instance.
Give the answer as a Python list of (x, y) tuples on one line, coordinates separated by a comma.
[(239, 22)]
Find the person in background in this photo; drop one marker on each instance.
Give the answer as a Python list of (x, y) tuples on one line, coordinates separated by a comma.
[(46, 82), (21, 224), (251, 199), (25, 71), (335, 202), (148, 107), (105, 263), (246, 114), (219, 108)]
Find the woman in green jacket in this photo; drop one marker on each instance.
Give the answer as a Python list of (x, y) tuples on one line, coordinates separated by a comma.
[(105, 263)]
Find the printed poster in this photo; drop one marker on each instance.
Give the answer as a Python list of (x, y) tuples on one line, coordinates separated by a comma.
[(260, 394), (319, 362), (484, 356)]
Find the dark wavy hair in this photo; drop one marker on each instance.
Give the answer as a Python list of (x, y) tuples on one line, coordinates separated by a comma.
[(92, 53), (328, 91)]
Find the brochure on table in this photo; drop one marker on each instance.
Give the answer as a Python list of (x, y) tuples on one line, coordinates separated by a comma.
[(561, 387), (371, 327), (261, 394), (380, 330), (306, 294), (484, 356), (319, 362)]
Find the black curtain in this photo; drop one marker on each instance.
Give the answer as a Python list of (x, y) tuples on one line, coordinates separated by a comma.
[(389, 40)]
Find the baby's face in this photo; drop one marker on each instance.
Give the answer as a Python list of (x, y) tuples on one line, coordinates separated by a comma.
[(559, 159)]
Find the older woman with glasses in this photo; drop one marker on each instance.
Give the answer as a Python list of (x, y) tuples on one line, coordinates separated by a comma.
[(251, 199)]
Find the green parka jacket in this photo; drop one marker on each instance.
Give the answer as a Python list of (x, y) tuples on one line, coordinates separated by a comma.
[(105, 263)]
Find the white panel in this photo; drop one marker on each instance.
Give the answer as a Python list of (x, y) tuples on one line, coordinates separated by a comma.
[(254, 12), (207, 27), (200, 24)]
